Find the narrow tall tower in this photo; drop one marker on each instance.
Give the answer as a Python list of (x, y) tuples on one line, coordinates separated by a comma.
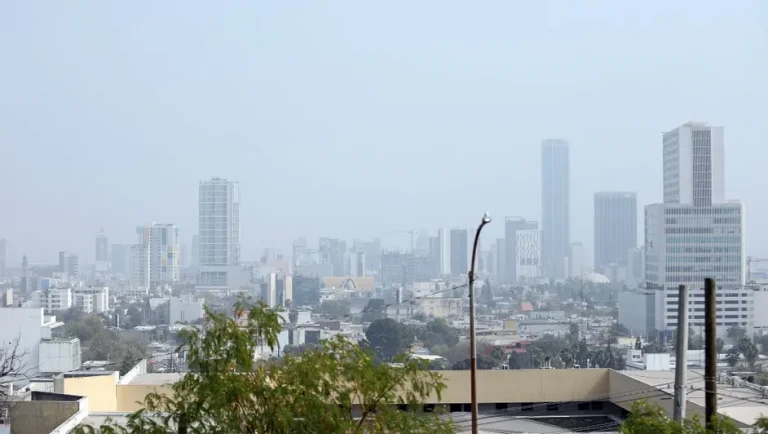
[(555, 207)]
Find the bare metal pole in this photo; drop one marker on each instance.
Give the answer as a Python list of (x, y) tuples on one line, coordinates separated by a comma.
[(681, 360), (710, 353), (472, 337)]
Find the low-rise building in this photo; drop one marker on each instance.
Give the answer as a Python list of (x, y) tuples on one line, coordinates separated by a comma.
[(52, 299), (185, 309), (91, 299), (39, 339)]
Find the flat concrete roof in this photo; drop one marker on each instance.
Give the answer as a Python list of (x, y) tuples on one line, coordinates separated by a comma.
[(739, 403), (156, 379)]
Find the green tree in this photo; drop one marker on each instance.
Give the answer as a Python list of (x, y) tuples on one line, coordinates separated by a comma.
[(748, 349), (638, 343), (335, 308), (736, 333), (373, 310), (573, 333), (293, 316), (720, 344), (438, 332), (647, 418), (229, 392), (732, 356), (388, 338)]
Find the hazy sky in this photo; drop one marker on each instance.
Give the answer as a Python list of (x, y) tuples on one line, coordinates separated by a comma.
[(356, 119)]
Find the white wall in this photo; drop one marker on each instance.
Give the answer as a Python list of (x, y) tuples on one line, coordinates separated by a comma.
[(185, 309), (25, 323), (59, 356)]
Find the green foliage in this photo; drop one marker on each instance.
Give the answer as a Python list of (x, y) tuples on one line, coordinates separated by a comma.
[(720, 345), (749, 350), (315, 392), (388, 338), (736, 333), (647, 418), (100, 343), (373, 310), (438, 332), (334, 308), (293, 315), (732, 356)]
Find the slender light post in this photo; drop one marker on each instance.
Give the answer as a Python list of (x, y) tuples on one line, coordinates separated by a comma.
[(472, 343)]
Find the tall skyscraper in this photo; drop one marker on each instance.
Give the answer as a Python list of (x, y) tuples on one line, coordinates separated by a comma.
[(501, 259), (195, 251), (2, 258), (120, 258), (510, 265), (555, 207), (434, 257), (102, 252), (615, 228), (70, 264), (695, 233), (162, 243), (219, 231), (24, 275), (333, 251), (444, 238), (139, 271), (459, 261), (576, 261)]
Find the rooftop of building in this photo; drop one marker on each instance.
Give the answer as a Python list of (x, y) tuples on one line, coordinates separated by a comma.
[(742, 402), (156, 379)]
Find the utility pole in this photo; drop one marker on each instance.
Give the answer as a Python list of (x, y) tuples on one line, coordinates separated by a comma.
[(472, 337), (710, 353), (681, 359)]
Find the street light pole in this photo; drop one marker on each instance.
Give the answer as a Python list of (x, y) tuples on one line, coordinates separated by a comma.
[(472, 338)]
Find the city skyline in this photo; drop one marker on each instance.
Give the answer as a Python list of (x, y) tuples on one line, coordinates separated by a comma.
[(304, 120)]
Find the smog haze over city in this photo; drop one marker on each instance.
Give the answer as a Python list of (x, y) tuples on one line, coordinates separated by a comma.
[(351, 119)]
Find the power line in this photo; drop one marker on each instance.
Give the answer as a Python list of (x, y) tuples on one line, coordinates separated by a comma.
[(388, 305)]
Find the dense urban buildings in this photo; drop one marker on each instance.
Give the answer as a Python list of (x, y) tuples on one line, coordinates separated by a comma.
[(696, 234), (219, 234), (333, 251), (615, 228), (555, 207)]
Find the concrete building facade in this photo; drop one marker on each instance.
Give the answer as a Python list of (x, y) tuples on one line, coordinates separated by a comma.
[(219, 234), (528, 255), (459, 247), (695, 234), (615, 228)]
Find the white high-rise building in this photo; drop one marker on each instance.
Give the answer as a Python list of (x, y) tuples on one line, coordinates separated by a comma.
[(162, 242), (102, 252), (219, 234), (695, 234), (139, 270), (528, 255), (444, 238)]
